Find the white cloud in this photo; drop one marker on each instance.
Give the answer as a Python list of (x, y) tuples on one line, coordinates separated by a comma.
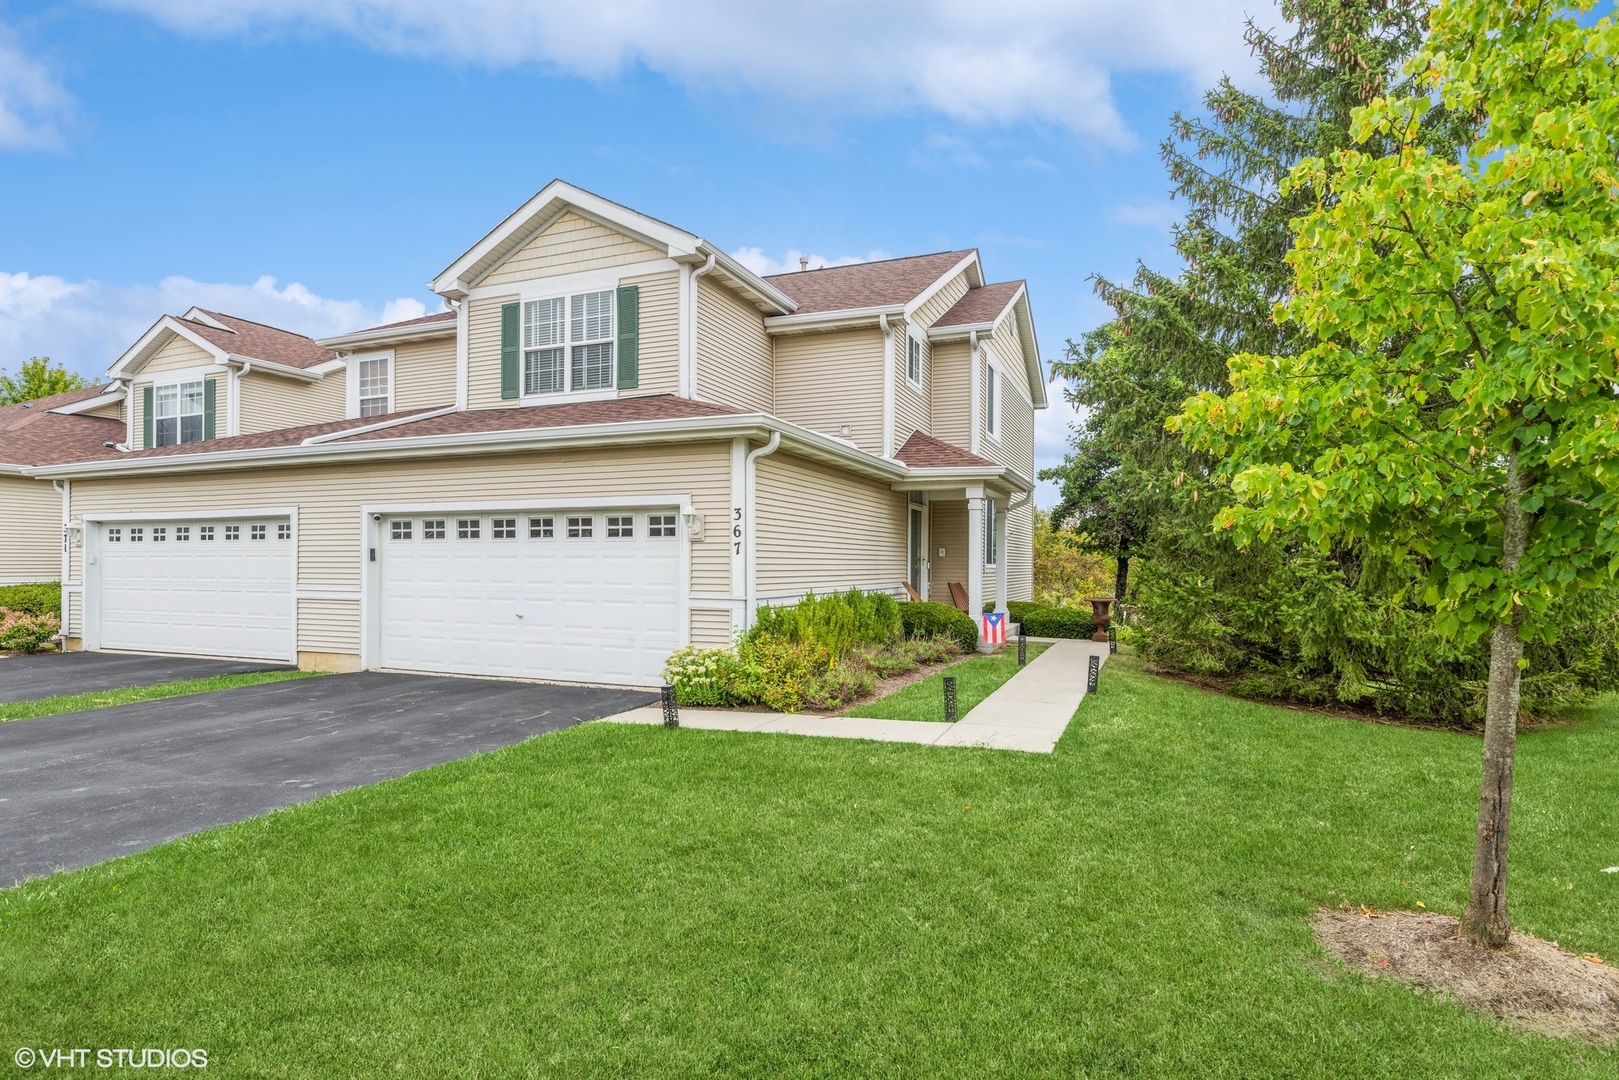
[(1047, 61), (756, 260), (86, 325), (1153, 215), (32, 102)]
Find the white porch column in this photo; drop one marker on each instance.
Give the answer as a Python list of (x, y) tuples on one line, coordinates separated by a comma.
[(1001, 561), (975, 552)]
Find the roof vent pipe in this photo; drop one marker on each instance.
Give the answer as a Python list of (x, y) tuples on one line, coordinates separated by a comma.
[(803, 264)]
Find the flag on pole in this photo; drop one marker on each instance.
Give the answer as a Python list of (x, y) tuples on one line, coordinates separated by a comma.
[(994, 628)]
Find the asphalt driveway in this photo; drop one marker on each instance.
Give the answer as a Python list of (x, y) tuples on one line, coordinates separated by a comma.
[(81, 788), (25, 678)]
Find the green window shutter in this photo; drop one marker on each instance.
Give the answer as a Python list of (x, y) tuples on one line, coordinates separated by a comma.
[(511, 321), (208, 409), (629, 337), (146, 418)]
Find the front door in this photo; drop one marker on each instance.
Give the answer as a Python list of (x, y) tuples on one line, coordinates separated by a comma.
[(918, 551)]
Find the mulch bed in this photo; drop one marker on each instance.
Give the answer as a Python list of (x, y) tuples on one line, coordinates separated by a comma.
[(1530, 984)]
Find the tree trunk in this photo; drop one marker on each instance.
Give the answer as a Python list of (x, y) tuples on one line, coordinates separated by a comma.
[(1121, 578), (1486, 917)]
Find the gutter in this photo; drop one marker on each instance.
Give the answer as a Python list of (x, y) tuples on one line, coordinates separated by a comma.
[(269, 367), (360, 338), (831, 320)]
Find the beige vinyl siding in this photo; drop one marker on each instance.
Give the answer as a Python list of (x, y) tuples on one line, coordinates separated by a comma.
[(1015, 444), (825, 380), (952, 393), (660, 333), (483, 353), (820, 528), (733, 351), (178, 353), (74, 616), (30, 531), (423, 374), (913, 408), (269, 402), (1019, 557), (947, 528), (711, 627), (328, 498), (942, 301), (328, 626), (112, 411), (567, 246)]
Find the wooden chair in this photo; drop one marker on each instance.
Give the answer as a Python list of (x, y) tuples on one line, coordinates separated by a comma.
[(912, 593), (958, 596)]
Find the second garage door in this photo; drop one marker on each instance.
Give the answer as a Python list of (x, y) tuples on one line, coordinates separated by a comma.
[(572, 595)]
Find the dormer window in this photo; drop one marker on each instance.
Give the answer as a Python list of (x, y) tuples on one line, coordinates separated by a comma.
[(568, 343), (177, 413), (374, 386)]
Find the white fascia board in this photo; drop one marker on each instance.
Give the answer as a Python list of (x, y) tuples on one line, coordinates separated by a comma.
[(843, 319), (111, 396), (121, 368), (361, 339), (1031, 349), (285, 371), (944, 279), (747, 281), (546, 205)]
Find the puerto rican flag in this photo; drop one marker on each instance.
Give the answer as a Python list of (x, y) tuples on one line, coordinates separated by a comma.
[(994, 628)]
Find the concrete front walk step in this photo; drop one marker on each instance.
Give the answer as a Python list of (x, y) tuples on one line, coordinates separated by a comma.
[(1029, 712)]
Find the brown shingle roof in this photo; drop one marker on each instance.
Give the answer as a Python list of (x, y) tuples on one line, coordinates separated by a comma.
[(925, 452), (624, 410), (982, 305), (872, 284), (30, 434), (259, 342)]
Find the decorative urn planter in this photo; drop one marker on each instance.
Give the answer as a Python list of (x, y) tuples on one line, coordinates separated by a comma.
[(1101, 616)]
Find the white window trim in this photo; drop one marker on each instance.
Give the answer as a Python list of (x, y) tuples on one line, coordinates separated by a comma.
[(351, 409), (179, 415), (921, 361), (600, 393)]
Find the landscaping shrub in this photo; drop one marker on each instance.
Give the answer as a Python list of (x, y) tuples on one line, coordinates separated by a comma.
[(21, 631), (777, 671), (39, 598), (835, 622), (700, 676), (932, 650), (839, 686), (1043, 620), (924, 618)]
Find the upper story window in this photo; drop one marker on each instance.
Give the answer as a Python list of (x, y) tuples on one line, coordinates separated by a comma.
[(568, 343), (374, 386), (177, 413), (992, 401), (913, 360), (991, 554)]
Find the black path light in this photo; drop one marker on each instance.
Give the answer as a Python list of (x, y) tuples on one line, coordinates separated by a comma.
[(950, 699), (1022, 647), (1112, 639), (671, 709), (1090, 676)]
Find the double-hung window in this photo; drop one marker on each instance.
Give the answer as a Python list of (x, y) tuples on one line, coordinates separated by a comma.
[(568, 343), (913, 360), (374, 386), (177, 413)]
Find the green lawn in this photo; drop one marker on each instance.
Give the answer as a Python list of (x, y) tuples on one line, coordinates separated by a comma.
[(619, 900), (976, 678), (24, 710)]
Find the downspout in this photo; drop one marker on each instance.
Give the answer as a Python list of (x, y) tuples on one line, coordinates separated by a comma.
[(888, 385), (696, 275), (750, 545), (65, 489), (976, 406)]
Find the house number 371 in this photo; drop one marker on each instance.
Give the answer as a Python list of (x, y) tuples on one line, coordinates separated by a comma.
[(736, 528)]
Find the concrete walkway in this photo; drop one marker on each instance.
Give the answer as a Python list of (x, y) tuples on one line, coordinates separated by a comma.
[(1029, 712)]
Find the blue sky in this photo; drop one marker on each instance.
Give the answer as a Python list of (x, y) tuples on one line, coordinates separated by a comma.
[(312, 163)]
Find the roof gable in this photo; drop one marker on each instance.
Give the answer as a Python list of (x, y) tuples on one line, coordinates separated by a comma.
[(224, 337), (886, 283)]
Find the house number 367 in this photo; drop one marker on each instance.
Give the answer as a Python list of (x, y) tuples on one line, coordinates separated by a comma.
[(736, 528)]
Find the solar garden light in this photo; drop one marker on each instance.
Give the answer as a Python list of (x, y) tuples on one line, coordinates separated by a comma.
[(1022, 647), (1090, 676), (950, 699), (671, 710)]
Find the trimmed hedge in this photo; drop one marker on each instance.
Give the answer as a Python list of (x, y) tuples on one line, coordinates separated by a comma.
[(1043, 620), (39, 598), (924, 618)]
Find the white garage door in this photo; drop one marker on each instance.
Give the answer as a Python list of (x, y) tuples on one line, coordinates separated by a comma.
[(573, 595), (206, 588)]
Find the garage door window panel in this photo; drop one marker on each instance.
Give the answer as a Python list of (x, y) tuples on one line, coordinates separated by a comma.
[(400, 530), (468, 528)]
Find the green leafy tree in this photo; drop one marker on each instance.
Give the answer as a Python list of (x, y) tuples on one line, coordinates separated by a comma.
[(1458, 393), (37, 379), (1066, 571), (1129, 487)]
